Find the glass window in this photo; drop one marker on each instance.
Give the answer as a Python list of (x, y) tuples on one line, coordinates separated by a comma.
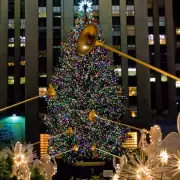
[(115, 10), (11, 23), (41, 3), (178, 30), (56, 9), (131, 71), (150, 21), (42, 22), (56, 22), (42, 90), (149, 4), (162, 39), (130, 20), (132, 91), (130, 11), (131, 30), (56, 3), (42, 12), (130, 2), (161, 21), (22, 80), (11, 80), (115, 2), (131, 40), (151, 39), (22, 23), (116, 40)]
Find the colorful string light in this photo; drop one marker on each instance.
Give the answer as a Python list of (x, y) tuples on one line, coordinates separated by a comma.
[(84, 83)]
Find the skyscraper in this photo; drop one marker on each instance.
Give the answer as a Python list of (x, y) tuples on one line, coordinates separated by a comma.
[(30, 35)]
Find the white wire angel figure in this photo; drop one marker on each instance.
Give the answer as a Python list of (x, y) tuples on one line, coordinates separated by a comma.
[(46, 166), (23, 158)]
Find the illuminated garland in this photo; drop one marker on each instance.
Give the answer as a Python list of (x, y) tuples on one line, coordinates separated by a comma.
[(83, 83)]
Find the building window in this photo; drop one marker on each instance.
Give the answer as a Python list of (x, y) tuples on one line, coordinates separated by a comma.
[(56, 3), (149, 4), (150, 21), (42, 12), (10, 80), (115, 2), (42, 3), (151, 39), (56, 9), (152, 79), (164, 78), (161, 21), (130, 10), (11, 23), (130, 2), (131, 40), (10, 63), (22, 23), (131, 71), (115, 11), (42, 90), (130, 30), (162, 39), (178, 31), (177, 84), (22, 80), (132, 91), (116, 40)]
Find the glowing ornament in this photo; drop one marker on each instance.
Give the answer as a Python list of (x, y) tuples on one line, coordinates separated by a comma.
[(75, 148), (92, 116), (93, 147), (70, 131), (51, 92)]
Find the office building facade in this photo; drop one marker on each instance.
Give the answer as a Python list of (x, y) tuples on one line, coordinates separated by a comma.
[(30, 35)]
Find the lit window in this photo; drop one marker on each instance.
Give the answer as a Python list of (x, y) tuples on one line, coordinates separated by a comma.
[(162, 39), (150, 21), (22, 80), (22, 23), (132, 91), (131, 71), (164, 78), (133, 114), (152, 79), (131, 30), (131, 46), (178, 31), (11, 23), (42, 12), (56, 9), (22, 41), (177, 84), (42, 90), (149, 4), (10, 63), (43, 75), (151, 39), (11, 42), (11, 80), (161, 21), (115, 10), (22, 63), (130, 10)]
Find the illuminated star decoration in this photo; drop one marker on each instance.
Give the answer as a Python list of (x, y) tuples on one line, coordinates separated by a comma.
[(86, 4)]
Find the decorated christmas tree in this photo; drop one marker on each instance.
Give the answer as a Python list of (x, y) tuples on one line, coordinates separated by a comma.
[(85, 83)]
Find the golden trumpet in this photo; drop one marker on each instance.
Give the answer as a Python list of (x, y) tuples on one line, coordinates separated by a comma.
[(88, 39)]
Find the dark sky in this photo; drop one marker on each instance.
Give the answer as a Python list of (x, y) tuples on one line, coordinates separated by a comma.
[(176, 12)]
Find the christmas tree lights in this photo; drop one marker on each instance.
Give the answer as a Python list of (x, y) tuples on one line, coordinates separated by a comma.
[(85, 83)]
